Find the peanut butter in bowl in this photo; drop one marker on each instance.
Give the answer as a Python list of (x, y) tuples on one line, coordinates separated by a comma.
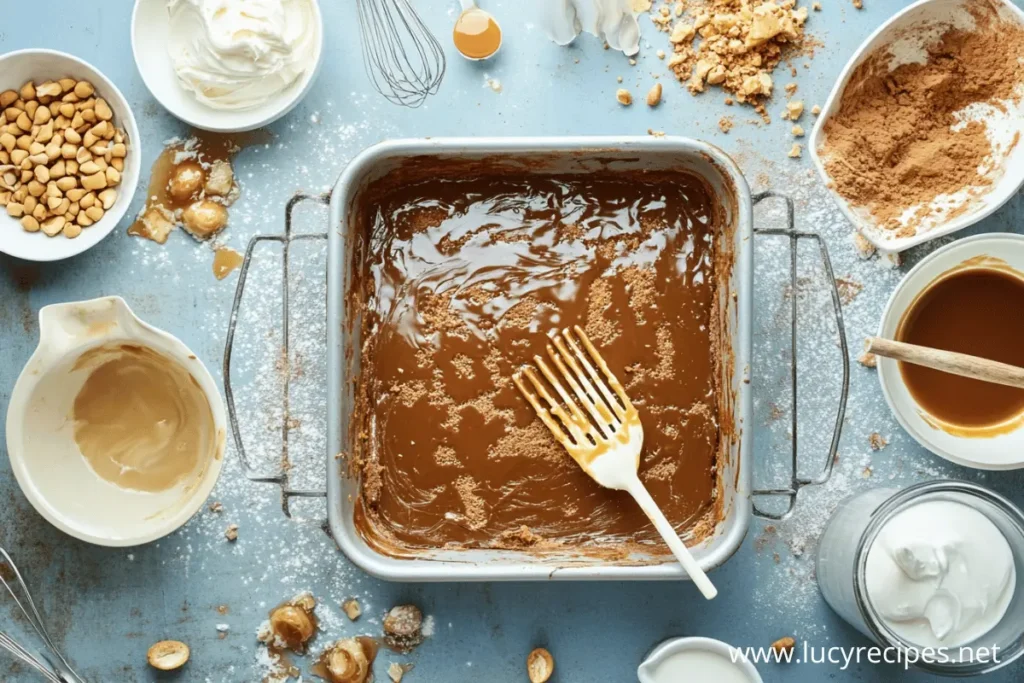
[(141, 421), (115, 429)]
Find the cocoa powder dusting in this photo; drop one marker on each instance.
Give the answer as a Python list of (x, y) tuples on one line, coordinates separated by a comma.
[(892, 146)]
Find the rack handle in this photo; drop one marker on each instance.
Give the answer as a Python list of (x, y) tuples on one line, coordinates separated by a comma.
[(796, 482), (281, 477)]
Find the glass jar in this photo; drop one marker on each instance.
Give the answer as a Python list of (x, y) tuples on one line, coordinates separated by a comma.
[(842, 558)]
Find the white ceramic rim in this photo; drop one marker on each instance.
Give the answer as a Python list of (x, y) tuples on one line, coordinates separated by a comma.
[(162, 526), (230, 121), (817, 134), (889, 375), (129, 179), (697, 643)]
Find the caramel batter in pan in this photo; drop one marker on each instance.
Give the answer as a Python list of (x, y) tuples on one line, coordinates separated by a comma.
[(141, 420), (461, 281), (974, 311)]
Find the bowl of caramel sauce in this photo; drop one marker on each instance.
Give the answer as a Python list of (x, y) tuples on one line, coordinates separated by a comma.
[(966, 297)]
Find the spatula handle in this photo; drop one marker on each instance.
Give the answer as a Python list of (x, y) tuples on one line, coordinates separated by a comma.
[(675, 544)]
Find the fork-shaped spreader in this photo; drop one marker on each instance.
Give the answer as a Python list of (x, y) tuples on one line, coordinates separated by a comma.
[(606, 440)]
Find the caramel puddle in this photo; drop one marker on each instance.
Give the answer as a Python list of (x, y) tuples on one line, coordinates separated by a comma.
[(225, 260)]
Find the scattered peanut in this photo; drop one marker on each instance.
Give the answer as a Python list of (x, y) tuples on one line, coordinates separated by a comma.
[(624, 97), (539, 665), (167, 655), (784, 644), (654, 96), (58, 145)]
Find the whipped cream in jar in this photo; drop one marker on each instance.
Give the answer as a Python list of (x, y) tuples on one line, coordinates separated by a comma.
[(930, 571)]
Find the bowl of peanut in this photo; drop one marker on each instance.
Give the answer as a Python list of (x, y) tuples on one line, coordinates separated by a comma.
[(69, 155)]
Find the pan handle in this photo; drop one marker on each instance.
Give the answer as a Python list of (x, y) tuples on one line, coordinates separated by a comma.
[(796, 481), (281, 477)]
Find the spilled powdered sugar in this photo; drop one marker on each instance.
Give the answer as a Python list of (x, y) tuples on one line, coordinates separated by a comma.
[(785, 550)]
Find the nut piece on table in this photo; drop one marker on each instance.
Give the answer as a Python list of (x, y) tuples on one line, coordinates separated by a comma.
[(784, 645), (187, 181), (624, 97), (155, 224), (402, 628), (168, 655), (221, 179), (346, 661), (231, 533), (539, 665), (352, 609), (203, 219), (654, 95), (396, 671), (291, 624)]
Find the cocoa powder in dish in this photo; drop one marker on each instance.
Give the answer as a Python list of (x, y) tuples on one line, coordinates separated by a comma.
[(898, 139)]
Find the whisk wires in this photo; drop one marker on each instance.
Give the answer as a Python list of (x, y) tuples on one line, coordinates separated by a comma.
[(402, 57)]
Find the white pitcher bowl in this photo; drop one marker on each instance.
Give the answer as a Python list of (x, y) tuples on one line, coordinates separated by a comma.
[(46, 460)]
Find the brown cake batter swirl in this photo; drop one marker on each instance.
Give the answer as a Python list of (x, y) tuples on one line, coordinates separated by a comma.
[(460, 282)]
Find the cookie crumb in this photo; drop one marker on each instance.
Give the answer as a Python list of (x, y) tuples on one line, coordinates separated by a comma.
[(796, 151), (352, 609), (798, 131), (794, 110), (725, 124), (231, 533), (868, 359), (877, 441)]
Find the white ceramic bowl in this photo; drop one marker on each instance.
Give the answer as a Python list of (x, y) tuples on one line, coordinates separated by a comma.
[(1000, 452), (39, 65), (150, 35), (720, 650), (46, 461), (1002, 125)]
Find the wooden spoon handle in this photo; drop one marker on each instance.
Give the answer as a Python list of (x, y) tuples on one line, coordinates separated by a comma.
[(949, 361)]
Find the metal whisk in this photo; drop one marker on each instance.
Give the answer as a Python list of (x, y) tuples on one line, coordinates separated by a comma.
[(402, 57), (54, 668)]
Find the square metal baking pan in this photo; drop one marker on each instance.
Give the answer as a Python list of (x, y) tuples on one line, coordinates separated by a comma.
[(563, 156)]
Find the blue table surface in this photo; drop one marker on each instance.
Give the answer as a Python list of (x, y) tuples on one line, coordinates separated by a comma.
[(105, 607)]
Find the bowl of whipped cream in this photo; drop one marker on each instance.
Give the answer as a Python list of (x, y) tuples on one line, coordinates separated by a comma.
[(228, 65)]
